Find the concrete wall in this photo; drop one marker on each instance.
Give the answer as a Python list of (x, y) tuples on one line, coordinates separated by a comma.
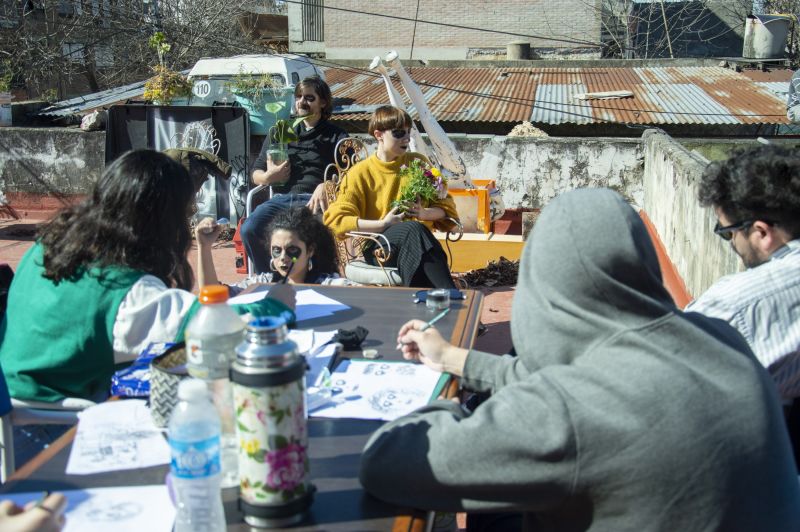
[(671, 176), (353, 34), (531, 172), (51, 162)]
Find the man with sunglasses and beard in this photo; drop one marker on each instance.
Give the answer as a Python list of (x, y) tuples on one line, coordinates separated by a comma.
[(756, 197), (297, 181)]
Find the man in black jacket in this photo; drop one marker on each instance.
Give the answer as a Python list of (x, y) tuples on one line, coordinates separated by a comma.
[(297, 181)]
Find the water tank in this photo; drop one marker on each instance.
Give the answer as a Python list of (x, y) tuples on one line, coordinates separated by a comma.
[(765, 36)]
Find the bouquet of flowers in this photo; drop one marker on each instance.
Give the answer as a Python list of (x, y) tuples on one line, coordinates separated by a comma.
[(424, 183)]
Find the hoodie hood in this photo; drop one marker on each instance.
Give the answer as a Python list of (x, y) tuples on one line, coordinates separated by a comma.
[(589, 272)]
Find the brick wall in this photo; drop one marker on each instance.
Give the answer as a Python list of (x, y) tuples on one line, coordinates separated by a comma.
[(566, 19)]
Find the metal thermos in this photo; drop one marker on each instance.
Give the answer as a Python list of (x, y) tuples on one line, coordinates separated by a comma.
[(268, 379)]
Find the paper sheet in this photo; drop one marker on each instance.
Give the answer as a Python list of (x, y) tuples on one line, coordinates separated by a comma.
[(310, 341), (116, 435), (367, 389), (317, 362), (310, 303), (121, 509)]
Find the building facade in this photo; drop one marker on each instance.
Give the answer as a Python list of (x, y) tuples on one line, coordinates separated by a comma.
[(470, 29)]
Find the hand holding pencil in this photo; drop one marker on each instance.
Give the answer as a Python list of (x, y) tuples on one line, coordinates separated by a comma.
[(420, 341), (46, 515)]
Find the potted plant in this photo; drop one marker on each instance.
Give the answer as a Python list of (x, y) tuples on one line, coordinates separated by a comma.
[(263, 97), (280, 135), (167, 85)]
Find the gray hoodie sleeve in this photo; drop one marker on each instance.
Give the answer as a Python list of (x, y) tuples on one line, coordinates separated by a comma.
[(515, 452), (485, 372)]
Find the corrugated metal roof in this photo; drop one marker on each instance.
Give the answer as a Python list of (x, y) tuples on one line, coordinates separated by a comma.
[(82, 104), (663, 95)]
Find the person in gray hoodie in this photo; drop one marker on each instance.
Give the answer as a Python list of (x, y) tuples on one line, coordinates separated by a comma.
[(620, 412)]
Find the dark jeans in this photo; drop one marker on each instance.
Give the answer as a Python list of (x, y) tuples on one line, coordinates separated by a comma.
[(420, 259), (254, 227)]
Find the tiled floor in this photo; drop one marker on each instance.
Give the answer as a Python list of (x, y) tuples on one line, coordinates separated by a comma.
[(16, 236)]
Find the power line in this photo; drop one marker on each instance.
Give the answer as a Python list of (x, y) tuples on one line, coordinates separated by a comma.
[(448, 25), (230, 43)]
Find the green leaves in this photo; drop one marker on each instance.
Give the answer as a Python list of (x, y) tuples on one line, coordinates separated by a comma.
[(278, 442), (283, 130)]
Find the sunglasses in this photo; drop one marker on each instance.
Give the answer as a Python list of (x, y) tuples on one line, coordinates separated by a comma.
[(400, 133), (310, 98), (292, 252), (726, 232)]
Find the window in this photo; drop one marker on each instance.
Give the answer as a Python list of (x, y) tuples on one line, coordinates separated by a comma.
[(69, 8), (103, 56), (9, 16), (72, 51)]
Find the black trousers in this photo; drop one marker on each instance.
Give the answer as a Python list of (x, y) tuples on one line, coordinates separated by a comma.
[(418, 256)]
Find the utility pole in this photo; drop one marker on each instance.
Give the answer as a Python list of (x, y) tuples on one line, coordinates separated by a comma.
[(666, 29)]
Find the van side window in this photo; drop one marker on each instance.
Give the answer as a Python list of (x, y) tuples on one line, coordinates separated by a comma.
[(295, 78)]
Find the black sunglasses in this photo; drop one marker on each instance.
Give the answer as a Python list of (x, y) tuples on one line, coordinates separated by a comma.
[(400, 133), (726, 232), (307, 97), (292, 252)]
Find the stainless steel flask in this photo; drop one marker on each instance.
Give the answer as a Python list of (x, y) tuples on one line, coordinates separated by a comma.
[(268, 379)]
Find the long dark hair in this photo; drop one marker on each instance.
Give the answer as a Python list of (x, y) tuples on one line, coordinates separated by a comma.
[(314, 234), (136, 217)]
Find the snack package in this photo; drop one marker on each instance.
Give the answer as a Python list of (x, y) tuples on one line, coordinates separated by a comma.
[(134, 381)]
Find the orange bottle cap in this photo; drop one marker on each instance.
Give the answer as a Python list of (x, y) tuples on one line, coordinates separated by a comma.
[(213, 293)]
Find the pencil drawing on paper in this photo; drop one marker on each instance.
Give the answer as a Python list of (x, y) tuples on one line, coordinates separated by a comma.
[(394, 401), (118, 511)]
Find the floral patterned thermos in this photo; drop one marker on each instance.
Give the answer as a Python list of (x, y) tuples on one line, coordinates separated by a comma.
[(269, 394)]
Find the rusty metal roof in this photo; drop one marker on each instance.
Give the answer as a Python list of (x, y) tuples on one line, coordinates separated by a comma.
[(661, 95)]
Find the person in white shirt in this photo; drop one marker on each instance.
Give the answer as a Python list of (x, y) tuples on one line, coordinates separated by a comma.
[(756, 197)]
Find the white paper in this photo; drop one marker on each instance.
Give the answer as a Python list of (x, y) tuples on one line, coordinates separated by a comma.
[(116, 435), (310, 303), (310, 341), (121, 509), (258, 293), (367, 389), (317, 362)]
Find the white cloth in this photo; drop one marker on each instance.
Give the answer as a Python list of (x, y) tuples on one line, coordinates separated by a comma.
[(150, 312), (763, 304)]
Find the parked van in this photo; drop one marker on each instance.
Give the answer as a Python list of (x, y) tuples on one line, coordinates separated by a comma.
[(210, 76)]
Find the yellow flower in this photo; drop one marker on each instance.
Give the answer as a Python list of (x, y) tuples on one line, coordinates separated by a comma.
[(250, 447), (435, 171)]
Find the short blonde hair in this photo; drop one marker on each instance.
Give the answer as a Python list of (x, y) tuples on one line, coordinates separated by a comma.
[(388, 117)]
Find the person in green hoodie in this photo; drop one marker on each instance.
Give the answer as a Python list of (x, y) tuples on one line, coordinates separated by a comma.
[(104, 279), (620, 412)]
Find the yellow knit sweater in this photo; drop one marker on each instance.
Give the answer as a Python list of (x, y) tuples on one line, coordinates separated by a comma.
[(368, 190)]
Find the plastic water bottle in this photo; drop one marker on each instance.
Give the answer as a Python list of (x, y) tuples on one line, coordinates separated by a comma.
[(194, 440), (211, 340)]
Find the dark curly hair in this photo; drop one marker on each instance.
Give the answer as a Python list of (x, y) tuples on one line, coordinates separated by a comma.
[(136, 217), (760, 183), (314, 234)]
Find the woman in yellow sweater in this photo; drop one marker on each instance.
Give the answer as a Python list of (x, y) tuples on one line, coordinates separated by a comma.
[(364, 203)]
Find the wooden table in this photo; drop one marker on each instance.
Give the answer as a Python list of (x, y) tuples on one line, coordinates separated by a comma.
[(335, 445)]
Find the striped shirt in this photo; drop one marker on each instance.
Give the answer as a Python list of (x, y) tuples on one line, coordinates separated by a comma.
[(763, 304)]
